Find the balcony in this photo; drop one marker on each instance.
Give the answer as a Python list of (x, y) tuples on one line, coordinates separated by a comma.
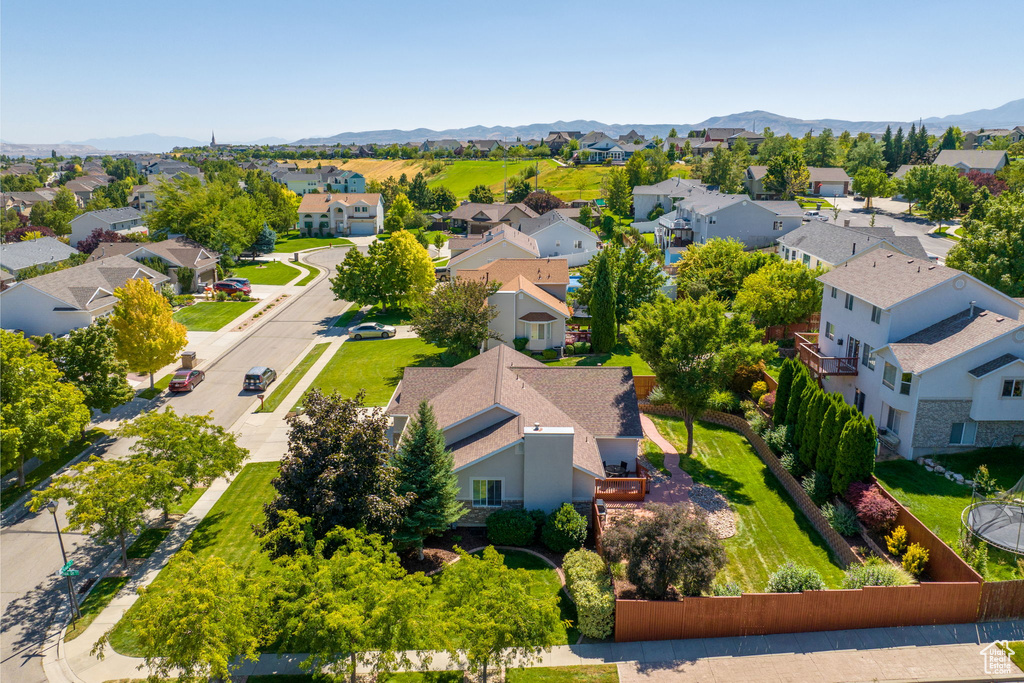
[(822, 366)]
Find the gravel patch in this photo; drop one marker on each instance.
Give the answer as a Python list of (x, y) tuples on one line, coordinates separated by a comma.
[(720, 516)]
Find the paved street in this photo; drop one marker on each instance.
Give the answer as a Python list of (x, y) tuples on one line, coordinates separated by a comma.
[(29, 552), (890, 213)]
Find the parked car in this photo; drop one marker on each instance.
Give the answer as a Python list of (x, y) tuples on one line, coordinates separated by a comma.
[(229, 287), (244, 281), (259, 378), (442, 274), (186, 380), (369, 330)]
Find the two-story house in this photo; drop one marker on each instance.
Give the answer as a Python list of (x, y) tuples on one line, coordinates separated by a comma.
[(523, 434), (702, 215), (327, 214), (933, 354), (558, 235), (476, 218), (663, 194), (124, 220), (826, 245), (500, 243)]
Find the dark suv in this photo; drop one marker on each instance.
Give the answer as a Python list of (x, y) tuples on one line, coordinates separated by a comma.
[(259, 378)]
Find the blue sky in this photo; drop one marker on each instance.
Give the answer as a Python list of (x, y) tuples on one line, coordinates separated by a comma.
[(77, 70)]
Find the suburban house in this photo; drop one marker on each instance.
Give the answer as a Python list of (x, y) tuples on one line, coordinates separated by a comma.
[(559, 235), (500, 243), (476, 218), (823, 182), (557, 139), (754, 140), (175, 254), (84, 186), (171, 167), (721, 134), (933, 354), (300, 183), (345, 182), (522, 434), (341, 214), (59, 302), (143, 198), (18, 256), (448, 145), (530, 300), (22, 202), (124, 220), (976, 138), (984, 160), (827, 245), (701, 215), (596, 147), (663, 194)]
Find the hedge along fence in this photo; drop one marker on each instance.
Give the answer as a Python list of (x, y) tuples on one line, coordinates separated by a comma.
[(943, 562), (766, 613), (841, 550), (1001, 600)]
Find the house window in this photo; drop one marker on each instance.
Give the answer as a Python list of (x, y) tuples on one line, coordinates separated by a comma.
[(835, 292), (849, 302), (830, 330), (905, 383), (777, 225), (487, 493), (578, 244), (711, 220), (889, 376), (539, 331), (963, 433), (867, 358), (876, 314), (892, 421), (1013, 388), (858, 400), (558, 243), (807, 259)]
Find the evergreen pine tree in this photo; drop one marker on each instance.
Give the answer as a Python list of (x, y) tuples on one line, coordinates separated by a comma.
[(828, 437), (782, 392), (899, 153), (800, 381), (811, 431), (806, 396), (602, 306), (425, 470), (887, 150), (855, 458)]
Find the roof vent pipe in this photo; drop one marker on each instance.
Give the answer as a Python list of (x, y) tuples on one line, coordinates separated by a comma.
[(972, 308), (536, 426)]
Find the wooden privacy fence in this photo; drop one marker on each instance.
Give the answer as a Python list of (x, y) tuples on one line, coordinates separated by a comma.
[(644, 385), (778, 332), (766, 613), (1001, 600)]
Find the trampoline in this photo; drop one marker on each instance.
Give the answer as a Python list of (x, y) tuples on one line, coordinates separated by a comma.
[(999, 521)]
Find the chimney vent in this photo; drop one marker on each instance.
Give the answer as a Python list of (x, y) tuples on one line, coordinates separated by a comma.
[(536, 426), (972, 307)]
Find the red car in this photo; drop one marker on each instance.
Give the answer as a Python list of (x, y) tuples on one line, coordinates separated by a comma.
[(186, 380), (231, 287)]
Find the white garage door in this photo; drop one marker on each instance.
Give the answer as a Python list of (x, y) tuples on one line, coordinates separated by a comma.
[(831, 189), (361, 228)]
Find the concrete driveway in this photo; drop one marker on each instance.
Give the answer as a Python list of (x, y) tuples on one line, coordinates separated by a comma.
[(892, 213)]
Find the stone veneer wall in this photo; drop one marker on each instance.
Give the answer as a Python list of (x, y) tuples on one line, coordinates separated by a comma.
[(935, 419)]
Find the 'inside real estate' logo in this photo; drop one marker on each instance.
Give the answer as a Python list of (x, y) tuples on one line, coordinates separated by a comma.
[(997, 657)]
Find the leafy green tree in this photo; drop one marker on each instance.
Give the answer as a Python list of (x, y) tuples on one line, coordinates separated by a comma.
[(457, 317), (87, 358), (780, 293), (602, 305), (673, 134), (865, 153), (871, 183), (202, 623), (992, 249), (636, 171), (278, 205), (920, 184), (494, 619), (425, 476), (618, 193), (39, 414), (481, 194), (658, 164), (398, 215), (855, 457), (782, 393), (585, 216), (787, 175), (108, 499), (56, 215), (183, 451), (338, 469), (694, 348), (146, 334), (394, 272), (889, 151), (721, 171), (943, 207), (824, 151), (721, 265), (443, 199), (519, 189), (638, 279), (951, 139)]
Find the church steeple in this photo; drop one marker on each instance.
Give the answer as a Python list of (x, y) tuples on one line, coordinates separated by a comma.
[(213, 139)]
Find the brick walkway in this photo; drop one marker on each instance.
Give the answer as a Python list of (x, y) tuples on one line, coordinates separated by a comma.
[(676, 488)]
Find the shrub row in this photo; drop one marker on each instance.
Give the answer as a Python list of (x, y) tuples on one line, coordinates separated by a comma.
[(561, 531), (589, 583)]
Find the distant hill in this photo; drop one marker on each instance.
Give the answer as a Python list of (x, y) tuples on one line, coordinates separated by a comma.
[(1006, 116), (147, 142)]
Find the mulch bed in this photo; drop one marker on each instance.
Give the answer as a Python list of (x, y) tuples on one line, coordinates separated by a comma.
[(440, 550)]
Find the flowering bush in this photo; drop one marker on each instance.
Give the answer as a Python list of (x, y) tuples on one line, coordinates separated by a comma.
[(767, 402), (758, 390)]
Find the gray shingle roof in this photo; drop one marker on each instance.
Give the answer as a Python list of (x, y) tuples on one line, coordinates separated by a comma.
[(667, 187), (951, 337), (494, 212), (91, 285), (111, 216), (177, 251), (531, 226), (884, 279), (994, 364), (493, 237), (835, 243), (972, 158), (15, 256)]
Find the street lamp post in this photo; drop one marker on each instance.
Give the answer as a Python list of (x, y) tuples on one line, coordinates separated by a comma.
[(66, 571)]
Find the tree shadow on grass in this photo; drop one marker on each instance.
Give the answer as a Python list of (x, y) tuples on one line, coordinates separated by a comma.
[(702, 466), (208, 531), (911, 478), (773, 484)]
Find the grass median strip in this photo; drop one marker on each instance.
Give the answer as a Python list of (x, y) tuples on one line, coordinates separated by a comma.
[(311, 274), (94, 603), (293, 378), (268, 272), (289, 244), (154, 391), (9, 494)]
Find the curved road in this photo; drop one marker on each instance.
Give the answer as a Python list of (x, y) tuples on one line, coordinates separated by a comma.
[(29, 553)]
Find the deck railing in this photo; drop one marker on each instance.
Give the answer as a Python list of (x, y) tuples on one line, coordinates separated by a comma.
[(618, 489), (810, 355)]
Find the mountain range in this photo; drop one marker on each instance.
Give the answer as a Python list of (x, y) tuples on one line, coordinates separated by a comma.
[(1006, 116)]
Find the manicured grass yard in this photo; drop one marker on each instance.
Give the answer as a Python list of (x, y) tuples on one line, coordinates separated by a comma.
[(938, 502), (9, 494), (655, 456), (621, 356), (267, 273), (293, 242), (771, 529), (100, 596), (187, 501), (375, 365), (311, 273), (210, 316), (1018, 653), (594, 673), (158, 386), (293, 378), (146, 543), (344, 318), (393, 316)]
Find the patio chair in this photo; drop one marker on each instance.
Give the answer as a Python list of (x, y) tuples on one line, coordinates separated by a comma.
[(625, 468)]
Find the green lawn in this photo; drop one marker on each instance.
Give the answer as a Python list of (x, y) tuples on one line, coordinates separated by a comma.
[(225, 532), (621, 356), (158, 386), (545, 582), (11, 493), (938, 502), (655, 456), (210, 316), (146, 543), (771, 529), (99, 597), (1018, 653), (344, 318), (375, 365), (395, 316), (267, 273), (594, 673), (311, 273), (293, 242), (812, 202), (187, 501), (288, 383), (774, 366)]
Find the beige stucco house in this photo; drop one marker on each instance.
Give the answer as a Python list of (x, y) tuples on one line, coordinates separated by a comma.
[(176, 253), (477, 219), (499, 243), (522, 434), (341, 214)]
